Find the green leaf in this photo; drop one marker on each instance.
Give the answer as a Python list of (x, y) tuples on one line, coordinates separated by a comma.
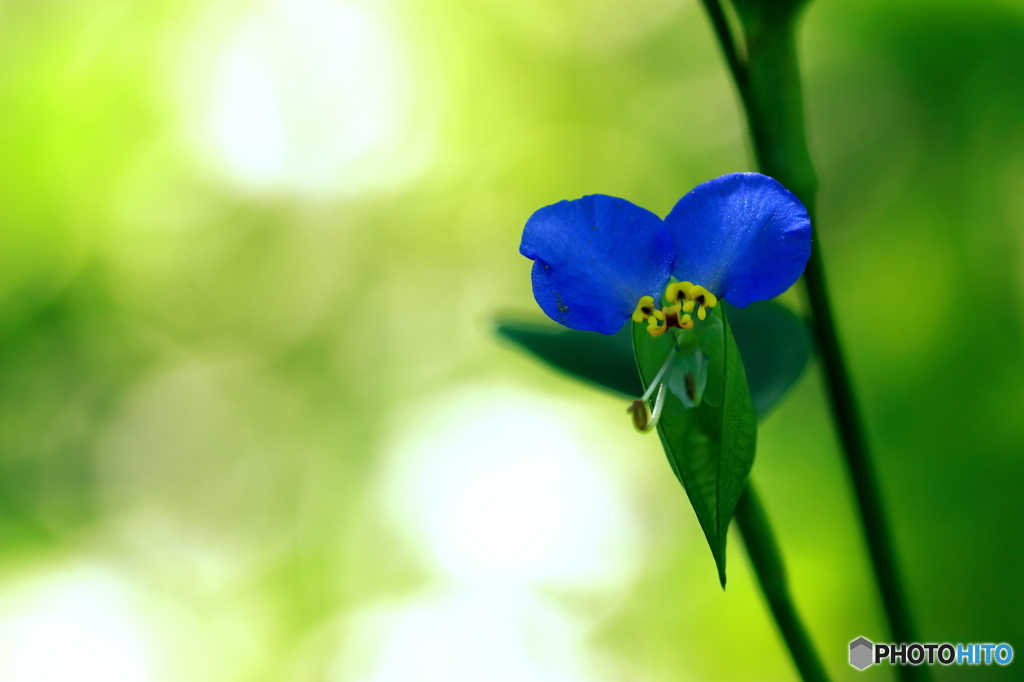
[(775, 345), (710, 448), (773, 341), (596, 358)]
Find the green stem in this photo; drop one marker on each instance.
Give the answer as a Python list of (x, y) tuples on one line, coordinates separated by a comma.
[(764, 555), (732, 54), (769, 86)]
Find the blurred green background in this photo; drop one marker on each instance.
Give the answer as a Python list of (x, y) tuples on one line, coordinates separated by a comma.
[(254, 425)]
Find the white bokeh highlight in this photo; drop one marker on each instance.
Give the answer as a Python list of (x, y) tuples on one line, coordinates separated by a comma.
[(459, 635), (310, 97), (499, 485), (507, 495), (78, 624)]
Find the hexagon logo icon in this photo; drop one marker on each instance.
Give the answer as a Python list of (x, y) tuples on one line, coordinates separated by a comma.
[(861, 651)]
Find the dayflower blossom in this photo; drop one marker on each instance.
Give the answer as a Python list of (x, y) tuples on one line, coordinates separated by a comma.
[(600, 261)]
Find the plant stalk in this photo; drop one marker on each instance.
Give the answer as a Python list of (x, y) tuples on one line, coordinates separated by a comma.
[(764, 555), (768, 82)]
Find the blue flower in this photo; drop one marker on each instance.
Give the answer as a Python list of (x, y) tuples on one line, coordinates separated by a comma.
[(598, 260)]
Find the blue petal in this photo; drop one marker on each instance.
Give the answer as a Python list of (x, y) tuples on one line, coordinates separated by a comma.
[(742, 236), (594, 258)]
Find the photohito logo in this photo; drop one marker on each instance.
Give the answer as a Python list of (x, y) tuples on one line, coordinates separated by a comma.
[(864, 653)]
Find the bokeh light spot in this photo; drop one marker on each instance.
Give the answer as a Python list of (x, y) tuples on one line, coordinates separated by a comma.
[(79, 625), (501, 487), (313, 97)]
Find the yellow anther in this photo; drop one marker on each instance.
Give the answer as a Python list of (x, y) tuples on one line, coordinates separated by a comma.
[(703, 299), (671, 316), (710, 300), (678, 292), (645, 310), (674, 317), (689, 297)]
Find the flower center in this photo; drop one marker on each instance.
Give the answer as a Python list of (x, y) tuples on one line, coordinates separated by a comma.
[(691, 296), (674, 317), (682, 298)]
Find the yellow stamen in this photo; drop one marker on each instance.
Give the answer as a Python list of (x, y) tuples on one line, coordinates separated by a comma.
[(645, 310), (678, 291), (704, 297), (683, 298), (673, 318), (692, 296)]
